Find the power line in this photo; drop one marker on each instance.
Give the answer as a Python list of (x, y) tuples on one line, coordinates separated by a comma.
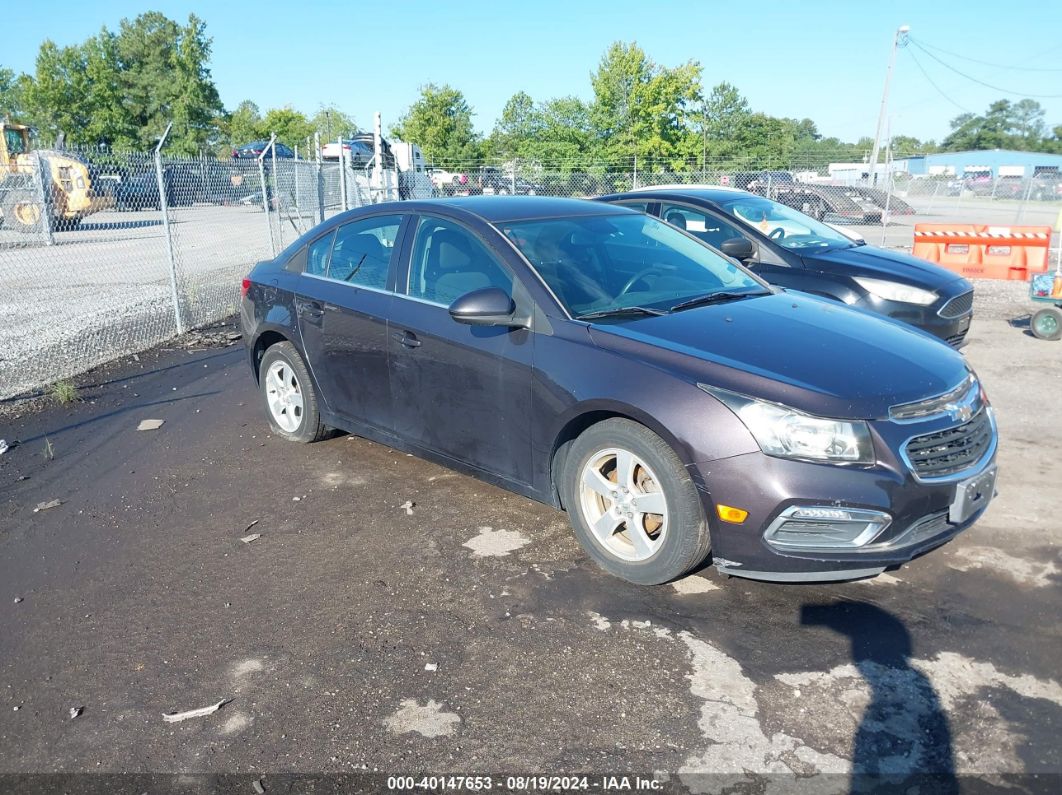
[(938, 88), (982, 82), (987, 63)]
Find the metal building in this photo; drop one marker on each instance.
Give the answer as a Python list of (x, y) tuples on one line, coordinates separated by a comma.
[(994, 162)]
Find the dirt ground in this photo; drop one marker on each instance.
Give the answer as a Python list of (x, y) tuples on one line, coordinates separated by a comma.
[(469, 634)]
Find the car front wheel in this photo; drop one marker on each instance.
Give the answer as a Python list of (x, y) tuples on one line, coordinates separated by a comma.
[(289, 396), (633, 505)]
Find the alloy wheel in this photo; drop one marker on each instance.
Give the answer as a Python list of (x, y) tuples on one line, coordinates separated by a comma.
[(622, 503), (284, 396)]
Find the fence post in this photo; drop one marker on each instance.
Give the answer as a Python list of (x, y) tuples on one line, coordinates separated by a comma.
[(516, 162), (342, 176), (165, 210), (265, 204), (44, 195), (320, 178), (635, 181)]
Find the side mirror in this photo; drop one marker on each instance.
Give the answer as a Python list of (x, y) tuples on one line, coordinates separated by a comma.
[(490, 306), (740, 248)]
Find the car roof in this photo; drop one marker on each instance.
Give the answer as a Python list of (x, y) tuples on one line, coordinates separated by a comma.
[(495, 209), (713, 193), (687, 186)]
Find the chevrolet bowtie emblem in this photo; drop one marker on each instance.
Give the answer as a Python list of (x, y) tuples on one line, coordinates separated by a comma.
[(959, 412)]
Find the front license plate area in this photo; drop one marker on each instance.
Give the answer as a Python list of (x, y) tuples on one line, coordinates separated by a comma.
[(972, 495)]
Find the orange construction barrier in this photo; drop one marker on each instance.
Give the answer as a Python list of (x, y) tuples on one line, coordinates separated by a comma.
[(981, 251)]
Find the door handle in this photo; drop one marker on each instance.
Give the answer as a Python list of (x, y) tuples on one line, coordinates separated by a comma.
[(311, 309), (407, 338)]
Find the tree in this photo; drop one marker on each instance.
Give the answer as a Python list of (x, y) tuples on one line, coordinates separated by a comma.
[(332, 123), (164, 77), (243, 125), (12, 90), (641, 108), (292, 128), (1004, 125), (515, 130), (440, 123)]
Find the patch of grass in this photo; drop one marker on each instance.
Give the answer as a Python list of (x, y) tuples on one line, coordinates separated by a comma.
[(63, 392), (49, 450)]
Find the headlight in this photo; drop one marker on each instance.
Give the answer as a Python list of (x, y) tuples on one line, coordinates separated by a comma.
[(891, 291), (788, 433)]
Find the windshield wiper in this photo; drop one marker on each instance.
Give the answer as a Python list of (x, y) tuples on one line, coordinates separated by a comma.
[(620, 311), (718, 297)]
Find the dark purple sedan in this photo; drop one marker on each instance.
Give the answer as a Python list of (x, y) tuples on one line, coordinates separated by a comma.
[(604, 362)]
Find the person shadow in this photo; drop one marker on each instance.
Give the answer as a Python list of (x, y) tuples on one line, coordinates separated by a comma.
[(904, 737)]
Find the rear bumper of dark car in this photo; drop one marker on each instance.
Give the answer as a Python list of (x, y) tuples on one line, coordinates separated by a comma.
[(768, 488)]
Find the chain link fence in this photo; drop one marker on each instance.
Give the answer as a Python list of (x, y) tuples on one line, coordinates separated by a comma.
[(105, 254)]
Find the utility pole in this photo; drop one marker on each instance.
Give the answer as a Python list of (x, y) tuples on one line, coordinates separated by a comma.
[(899, 40)]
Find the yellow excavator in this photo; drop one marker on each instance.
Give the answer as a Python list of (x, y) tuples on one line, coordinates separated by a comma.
[(68, 188)]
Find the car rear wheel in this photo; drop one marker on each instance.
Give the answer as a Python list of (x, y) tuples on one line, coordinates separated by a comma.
[(1046, 324), (633, 505), (289, 396)]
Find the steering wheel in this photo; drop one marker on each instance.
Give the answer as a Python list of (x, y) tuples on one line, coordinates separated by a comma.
[(776, 233), (637, 277)]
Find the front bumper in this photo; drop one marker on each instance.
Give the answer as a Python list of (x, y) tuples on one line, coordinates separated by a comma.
[(768, 487), (951, 330)]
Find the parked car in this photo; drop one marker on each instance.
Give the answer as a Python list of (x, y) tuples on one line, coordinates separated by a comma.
[(140, 191), (252, 150), (604, 362), (793, 250), (449, 182), (1047, 186), (359, 153), (492, 181)]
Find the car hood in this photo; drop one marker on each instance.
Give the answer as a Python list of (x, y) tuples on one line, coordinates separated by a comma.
[(882, 263), (818, 356)]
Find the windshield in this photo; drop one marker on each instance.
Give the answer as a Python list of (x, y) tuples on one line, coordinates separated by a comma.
[(607, 262), (788, 228)]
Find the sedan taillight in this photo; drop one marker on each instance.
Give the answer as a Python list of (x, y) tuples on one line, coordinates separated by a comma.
[(245, 285)]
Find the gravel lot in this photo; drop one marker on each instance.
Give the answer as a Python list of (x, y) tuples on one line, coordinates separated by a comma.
[(471, 635)]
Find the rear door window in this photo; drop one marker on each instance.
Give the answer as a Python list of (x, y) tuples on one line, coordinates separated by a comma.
[(317, 255), (363, 250)]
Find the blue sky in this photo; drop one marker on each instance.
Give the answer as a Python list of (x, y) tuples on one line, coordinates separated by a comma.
[(822, 60)]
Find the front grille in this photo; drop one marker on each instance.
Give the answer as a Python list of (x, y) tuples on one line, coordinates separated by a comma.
[(957, 306), (956, 340), (944, 453)]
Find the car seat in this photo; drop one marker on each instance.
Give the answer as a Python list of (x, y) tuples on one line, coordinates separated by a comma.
[(453, 267)]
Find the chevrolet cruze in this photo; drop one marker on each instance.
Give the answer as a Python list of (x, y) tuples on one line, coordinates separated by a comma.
[(604, 362)]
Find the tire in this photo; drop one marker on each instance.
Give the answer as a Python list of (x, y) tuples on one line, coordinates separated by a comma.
[(288, 395), (681, 533), (503, 191), (1046, 324), (23, 212)]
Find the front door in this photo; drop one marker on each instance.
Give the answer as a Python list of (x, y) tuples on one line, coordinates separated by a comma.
[(344, 300), (714, 231), (462, 391)]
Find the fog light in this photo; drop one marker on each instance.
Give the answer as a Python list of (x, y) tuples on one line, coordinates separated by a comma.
[(730, 514), (825, 528)]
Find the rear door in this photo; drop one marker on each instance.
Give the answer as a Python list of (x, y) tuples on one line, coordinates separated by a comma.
[(346, 293), (462, 391)]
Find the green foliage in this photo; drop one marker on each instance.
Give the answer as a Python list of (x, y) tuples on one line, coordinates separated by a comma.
[(12, 90), (332, 123), (1005, 125), (440, 122), (641, 108), (63, 392), (122, 89)]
